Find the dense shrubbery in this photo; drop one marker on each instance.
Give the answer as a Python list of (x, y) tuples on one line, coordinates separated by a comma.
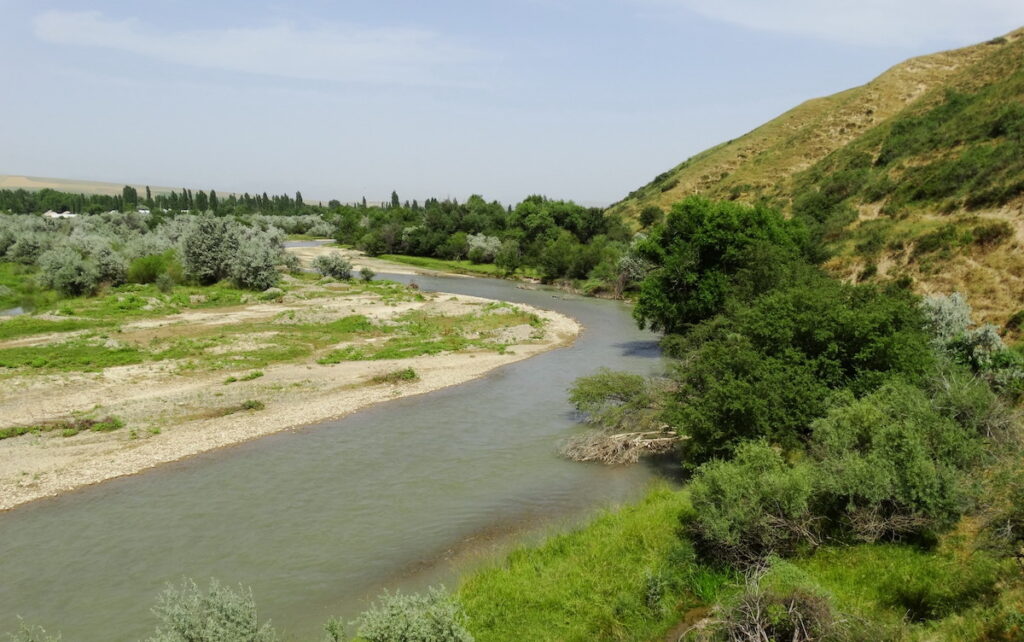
[(812, 411), (79, 256)]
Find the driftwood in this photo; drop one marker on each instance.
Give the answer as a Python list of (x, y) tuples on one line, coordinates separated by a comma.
[(619, 448)]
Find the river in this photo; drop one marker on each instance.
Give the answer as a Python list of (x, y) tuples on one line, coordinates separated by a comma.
[(318, 521)]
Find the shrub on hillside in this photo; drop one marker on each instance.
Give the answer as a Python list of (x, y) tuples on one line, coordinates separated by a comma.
[(767, 370), (220, 614), (891, 463), (752, 505), (333, 265)]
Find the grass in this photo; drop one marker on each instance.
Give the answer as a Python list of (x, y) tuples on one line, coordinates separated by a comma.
[(457, 267), (67, 427), (892, 582), (418, 334), (27, 325), (627, 575), (405, 375), (76, 355), (249, 377), (18, 288)]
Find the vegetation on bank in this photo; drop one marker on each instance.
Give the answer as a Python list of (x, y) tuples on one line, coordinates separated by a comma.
[(199, 238)]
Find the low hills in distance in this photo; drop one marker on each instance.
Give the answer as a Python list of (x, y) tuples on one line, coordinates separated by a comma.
[(917, 174)]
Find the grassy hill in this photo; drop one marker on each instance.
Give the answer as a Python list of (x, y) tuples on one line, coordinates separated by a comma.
[(919, 173)]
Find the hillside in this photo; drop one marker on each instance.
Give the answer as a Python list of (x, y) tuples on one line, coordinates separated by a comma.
[(918, 173), (33, 183)]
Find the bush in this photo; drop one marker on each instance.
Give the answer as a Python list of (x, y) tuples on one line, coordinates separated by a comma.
[(188, 614), (763, 611), (27, 633), (207, 248), (65, 270), (431, 617), (766, 371), (367, 274), (892, 464), (993, 233), (149, 268), (333, 265), (254, 264), (111, 267), (752, 506)]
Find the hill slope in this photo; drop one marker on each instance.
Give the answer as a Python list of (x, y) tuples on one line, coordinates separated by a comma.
[(34, 183), (918, 173)]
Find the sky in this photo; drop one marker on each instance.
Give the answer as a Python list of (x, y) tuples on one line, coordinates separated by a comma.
[(576, 99)]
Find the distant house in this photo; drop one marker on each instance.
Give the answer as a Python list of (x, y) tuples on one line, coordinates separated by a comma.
[(142, 209), (52, 214)]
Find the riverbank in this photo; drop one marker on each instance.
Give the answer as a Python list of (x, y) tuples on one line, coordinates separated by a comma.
[(172, 409)]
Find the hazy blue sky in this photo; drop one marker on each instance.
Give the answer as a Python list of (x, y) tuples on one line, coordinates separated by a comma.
[(570, 98)]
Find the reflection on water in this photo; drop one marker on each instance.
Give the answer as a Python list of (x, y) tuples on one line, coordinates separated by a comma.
[(320, 520)]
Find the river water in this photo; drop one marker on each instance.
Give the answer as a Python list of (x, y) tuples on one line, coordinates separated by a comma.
[(318, 521)]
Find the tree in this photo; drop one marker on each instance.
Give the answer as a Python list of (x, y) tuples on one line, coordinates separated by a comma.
[(206, 248), (395, 203), (698, 253), (129, 196), (509, 258), (651, 215), (298, 200), (213, 201), (254, 264), (65, 270)]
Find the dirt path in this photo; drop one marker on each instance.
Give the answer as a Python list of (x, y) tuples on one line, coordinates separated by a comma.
[(171, 414)]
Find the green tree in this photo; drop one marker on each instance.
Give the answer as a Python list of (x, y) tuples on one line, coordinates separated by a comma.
[(651, 215), (698, 254), (509, 258)]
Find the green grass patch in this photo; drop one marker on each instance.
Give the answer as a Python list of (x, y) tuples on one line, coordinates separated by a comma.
[(67, 427), (78, 356), (249, 377), (627, 575), (397, 376), (888, 583), (18, 288), (26, 325)]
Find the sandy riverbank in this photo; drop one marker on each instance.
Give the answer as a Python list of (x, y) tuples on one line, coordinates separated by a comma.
[(171, 414)]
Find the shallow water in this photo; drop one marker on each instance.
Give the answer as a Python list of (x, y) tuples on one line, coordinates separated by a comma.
[(318, 521), (12, 312), (314, 243)]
